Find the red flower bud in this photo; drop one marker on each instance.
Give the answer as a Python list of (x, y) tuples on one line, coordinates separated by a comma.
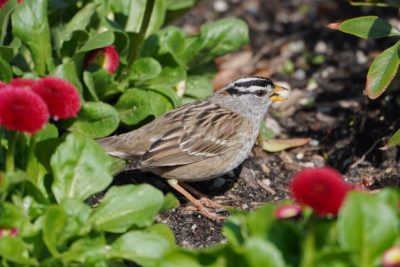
[(322, 189), (22, 110), (106, 57), (61, 97), (391, 257), (21, 82), (288, 211), (8, 232), (2, 84)]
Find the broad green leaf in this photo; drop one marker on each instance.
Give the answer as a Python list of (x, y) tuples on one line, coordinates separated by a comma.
[(15, 250), (88, 80), (179, 4), (180, 258), (98, 40), (5, 14), (67, 71), (384, 3), (79, 21), (96, 119), (258, 252), (78, 213), (220, 37), (172, 40), (395, 139), (382, 71), (198, 87), (367, 226), (169, 76), (145, 69), (136, 105), (125, 206), (7, 53), (135, 9), (80, 168), (5, 71), (104, 85), (89, 250), (54, 223), (366, 27), (49, 131), (70, 46), (29, 21), (141, 247), (169, 93)]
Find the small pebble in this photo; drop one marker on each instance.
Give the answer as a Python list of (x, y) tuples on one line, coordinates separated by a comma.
[(245, 206), (299, 155), (314, 142), (194, 226), (220, 6), (320, 47), (299, 74)]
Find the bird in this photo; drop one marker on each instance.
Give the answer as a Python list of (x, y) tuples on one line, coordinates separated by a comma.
[(200, 140)]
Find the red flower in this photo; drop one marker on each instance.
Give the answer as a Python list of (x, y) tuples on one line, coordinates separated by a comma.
[(391, 257), (61, 97), (3, 2), (323, 189), (288, 211), (21, 82), (22, 110), (2, 84), (8, 232), (107, 57)]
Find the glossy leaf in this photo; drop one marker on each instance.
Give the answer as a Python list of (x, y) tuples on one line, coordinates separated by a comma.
[(96, 119), (80, 168), (140, 247), (30, 24), (199, 87), (220, 37), (67, 71), (136, 105), (125, 206), (366, 27), (260, 253), (145, 69), (395, 139), (90, 250), (367, 226), (5, 71), (15, 250), (54, 223), (98, 40), (382, 71)]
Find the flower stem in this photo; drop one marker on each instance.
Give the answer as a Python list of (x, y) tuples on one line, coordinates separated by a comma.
[(10, 152), (137, 40), (309, 245)]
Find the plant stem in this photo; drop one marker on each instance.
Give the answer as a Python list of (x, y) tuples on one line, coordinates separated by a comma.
[(10, 152), (137, 45), (309, 245)]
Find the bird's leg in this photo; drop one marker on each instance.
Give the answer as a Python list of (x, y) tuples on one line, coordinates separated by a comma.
[(198, 203), (201, 197)]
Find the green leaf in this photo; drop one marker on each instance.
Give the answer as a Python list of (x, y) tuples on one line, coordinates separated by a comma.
[(220, 37), (80, 168), (125, 206), (96, 119), (5, 71), (30, 24), (79, 21), (179, 4), (395, 139), (366, 27), (136, 105), (54, 223), (198, 87), (104, 85), (67, 71), (15, 250), (78, 214), (259, 252), (145, 69), (141, 247), (382, 71), (89, 250), (367, 226), (170, 76), (98, 40)]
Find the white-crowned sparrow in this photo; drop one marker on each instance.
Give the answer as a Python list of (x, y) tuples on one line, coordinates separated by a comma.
[(200, 140)]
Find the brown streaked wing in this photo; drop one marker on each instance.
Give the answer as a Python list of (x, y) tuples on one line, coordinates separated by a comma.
[(202, 133)]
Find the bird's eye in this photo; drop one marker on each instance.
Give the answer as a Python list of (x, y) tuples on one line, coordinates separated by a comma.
[(261, 93)]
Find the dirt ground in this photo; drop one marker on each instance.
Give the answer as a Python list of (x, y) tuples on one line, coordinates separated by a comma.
[(326, 71)]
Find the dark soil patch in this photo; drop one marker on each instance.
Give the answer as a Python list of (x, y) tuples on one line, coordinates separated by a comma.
[(346, 128)]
